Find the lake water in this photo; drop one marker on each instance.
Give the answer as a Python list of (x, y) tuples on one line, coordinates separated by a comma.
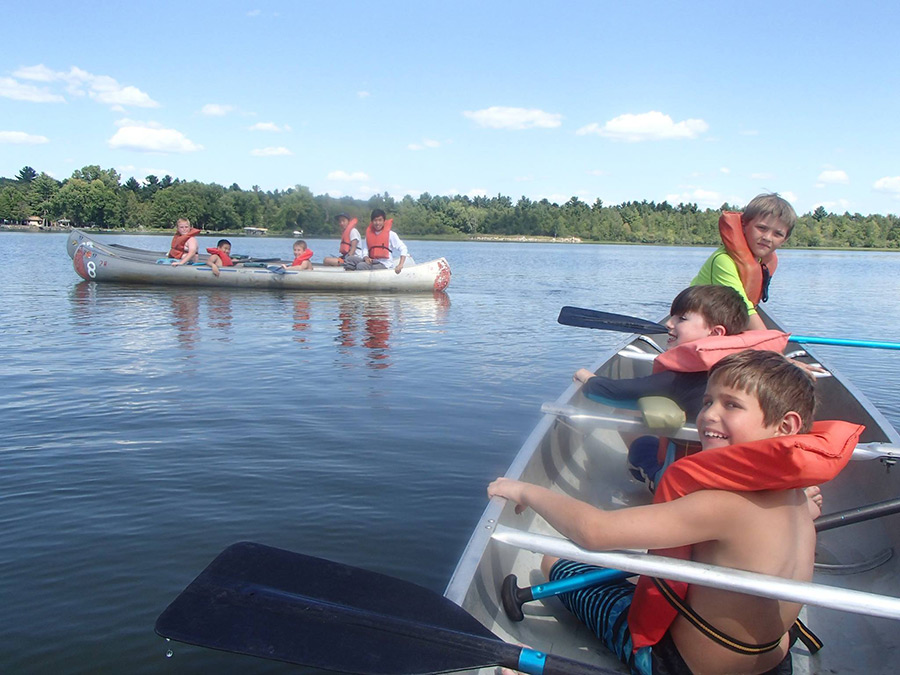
[(144, 430)]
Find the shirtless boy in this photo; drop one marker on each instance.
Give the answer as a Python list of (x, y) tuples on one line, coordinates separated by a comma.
[(751, 396)]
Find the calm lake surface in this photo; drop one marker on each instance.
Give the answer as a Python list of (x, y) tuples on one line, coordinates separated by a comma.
[(144, 430)]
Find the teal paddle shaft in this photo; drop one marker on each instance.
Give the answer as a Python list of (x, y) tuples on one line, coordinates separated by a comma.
[(845, 342)]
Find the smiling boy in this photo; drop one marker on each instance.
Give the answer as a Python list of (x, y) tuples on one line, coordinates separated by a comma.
[(746, 260), (755, 405), (697, 312)]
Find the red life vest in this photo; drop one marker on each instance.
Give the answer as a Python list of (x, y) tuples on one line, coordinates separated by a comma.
[(226, 259), (306, 255), (780, 463), (179, 243), (378, 243), (701, 355), (345, 238), (749, 268)]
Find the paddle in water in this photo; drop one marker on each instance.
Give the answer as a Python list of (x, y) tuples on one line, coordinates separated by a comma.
[(513, 597), (592, 318), (275, 604)]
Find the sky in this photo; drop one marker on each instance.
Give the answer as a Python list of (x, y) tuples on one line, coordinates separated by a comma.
[(702, 102)]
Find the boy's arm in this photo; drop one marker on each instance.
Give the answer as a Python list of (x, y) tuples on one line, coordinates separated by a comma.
[(706, 515), (658, 384), (399, 245)]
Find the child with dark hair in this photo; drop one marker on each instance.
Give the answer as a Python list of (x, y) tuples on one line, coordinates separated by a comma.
[(220, 255)]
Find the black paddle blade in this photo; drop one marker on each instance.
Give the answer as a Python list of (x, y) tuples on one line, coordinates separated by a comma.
[(267, 602), (592, 318)]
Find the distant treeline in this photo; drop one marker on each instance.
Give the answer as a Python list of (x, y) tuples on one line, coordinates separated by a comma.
[(97, 197)]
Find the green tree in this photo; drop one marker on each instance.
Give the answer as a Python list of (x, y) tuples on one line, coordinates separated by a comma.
[(26, 174)]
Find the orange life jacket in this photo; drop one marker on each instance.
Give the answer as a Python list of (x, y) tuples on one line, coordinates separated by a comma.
[(306, 255), (345, 238), (378, 243), (751, 270), (226, 259), (179, 243), (780, 463), (701, 355)]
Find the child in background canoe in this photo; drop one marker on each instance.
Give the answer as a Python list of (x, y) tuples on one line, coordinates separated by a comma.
[(302, 257), (349, 246), (220, 255), (381, 244), (746, 260), (184, 243), (755, 404)]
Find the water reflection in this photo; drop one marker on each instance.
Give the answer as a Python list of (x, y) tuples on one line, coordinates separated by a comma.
[(367, 326), (370, 321), (185, 316), (219, 312), (301, 318)]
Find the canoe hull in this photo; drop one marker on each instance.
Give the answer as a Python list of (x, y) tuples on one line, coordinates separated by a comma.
[(96, 262), (589, 461)]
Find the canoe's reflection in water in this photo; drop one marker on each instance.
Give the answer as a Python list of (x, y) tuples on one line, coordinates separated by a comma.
[(360, 329)]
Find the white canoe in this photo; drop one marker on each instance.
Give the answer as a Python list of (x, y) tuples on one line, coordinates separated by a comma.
[(584, 455), (94, 261)]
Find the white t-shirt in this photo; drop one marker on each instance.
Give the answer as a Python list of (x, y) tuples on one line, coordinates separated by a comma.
[(398, 248)]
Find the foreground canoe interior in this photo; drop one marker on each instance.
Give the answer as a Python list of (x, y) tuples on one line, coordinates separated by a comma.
[(586, 459)]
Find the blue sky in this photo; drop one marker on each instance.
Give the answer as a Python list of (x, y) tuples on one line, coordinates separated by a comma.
[(704, 102)]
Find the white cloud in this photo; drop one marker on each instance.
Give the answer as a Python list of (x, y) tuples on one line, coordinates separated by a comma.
[(890, 184), (101, 88), (476, 192), (706, 198), (832, 177), (270, 152), (363, 94), (150, 137), (38, 73), (254, 13), (725, 170), (426, 143), (500, 117), (344, 176), (21, 138), (650, 126), (216, 109), (10, 88), (789, 196), (269, 126)]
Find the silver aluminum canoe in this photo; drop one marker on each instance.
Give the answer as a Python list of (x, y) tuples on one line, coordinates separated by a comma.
[(586, 458), (99, 262)]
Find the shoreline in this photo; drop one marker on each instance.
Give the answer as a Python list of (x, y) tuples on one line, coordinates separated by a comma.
[(494, 238)]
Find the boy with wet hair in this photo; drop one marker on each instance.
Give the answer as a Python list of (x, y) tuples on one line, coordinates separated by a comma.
[(746, 260), (755, 405)]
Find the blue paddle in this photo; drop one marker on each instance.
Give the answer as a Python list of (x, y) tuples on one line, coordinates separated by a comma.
[(592, 318)]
